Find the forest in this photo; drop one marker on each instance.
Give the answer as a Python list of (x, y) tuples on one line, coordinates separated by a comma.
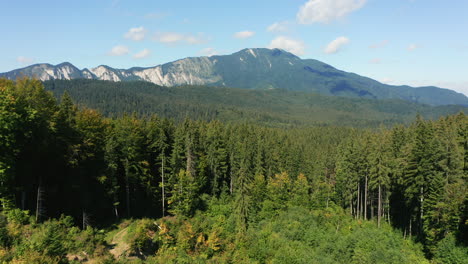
[(78, 186), (271, 108)]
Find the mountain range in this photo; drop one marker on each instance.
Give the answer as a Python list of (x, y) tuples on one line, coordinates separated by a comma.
[(258, 68)]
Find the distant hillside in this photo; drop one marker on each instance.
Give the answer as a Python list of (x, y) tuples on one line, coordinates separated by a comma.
[(268, 107), (251, 69)]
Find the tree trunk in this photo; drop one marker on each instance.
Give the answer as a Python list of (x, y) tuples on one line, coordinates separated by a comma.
[(190, 162), (38, 203), (379, 207), (116, 212), (422, 209), (39, 200), (328, 186), (358, 205), (410, 229), (162, 187), (84, 220), (387, 204), (365, 200), (231, 184)]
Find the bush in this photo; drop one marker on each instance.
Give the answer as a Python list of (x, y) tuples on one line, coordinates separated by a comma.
[(143, 237), (449, 252), (5, 239), (327, 236), (18, 216)]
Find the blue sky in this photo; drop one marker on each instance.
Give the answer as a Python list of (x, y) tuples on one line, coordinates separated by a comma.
[(415, 42)]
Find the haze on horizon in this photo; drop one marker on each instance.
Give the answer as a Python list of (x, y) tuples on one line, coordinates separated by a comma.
[(410, 42)]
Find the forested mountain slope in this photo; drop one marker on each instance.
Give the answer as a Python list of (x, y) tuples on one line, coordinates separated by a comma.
[(251, 69), (267, 107), (208, 192)]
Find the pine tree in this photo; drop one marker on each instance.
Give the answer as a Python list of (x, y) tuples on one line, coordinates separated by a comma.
[(183, 199), (380, 170), (242, 199), (216, 157), (423, 176), (300, 192), (347, 174)]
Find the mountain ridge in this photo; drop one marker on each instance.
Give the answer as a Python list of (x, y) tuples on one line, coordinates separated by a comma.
[(258, 68)]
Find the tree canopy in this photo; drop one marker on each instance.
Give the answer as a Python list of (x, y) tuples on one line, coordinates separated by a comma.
[(225, 192)]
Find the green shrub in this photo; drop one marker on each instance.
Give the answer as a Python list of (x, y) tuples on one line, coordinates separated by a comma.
[(18, 216), (143, 237), (5, 238), (448, 252)]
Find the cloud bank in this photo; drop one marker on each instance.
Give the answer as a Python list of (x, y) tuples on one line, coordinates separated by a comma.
[(278, 27), (325, 11), (244, 34), (24, 60), (294, 46), (172, 38), (136, 34), (336, 45), (142, 54), (208, 52), (118, 50)]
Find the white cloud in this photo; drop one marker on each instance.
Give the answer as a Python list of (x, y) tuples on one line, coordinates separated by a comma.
[(387, 80), (412, 47), (142, 54), (193, 40), (172, 38), (278, 27), (294, 46), (24, 60), (169, 37), (325, 11), (379, 44), (375, 61), (208, 52), (136, 34), (118, 50), (335, 45), (244, 34)]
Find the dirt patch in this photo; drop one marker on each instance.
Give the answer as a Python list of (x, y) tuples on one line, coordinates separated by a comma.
[(120, 247)]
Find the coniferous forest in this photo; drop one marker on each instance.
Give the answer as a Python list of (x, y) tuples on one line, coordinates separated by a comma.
[(272, 108), (80, 187)]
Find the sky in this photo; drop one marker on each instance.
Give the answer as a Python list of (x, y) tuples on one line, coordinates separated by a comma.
[(413, 42)]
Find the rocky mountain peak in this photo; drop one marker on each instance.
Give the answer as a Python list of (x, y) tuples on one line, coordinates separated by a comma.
[(253, 68)]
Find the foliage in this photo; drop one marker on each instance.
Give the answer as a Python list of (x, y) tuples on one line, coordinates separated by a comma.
[(235, 192), (449, 252), (277, 108)]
